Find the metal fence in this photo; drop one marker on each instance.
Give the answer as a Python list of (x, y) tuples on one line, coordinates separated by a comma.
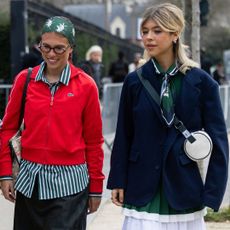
[(225, 100), (110, 104), (4, 94)]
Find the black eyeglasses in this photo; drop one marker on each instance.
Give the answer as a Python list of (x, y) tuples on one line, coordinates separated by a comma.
[(57, 49)]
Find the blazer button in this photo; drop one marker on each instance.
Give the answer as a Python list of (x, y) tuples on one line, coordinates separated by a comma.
[(157, 167)]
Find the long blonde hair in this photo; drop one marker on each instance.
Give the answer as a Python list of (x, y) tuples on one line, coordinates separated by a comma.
[(171, 19)]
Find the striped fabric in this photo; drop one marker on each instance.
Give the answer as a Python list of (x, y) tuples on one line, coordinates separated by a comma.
[(166, 95), (54, 181), (64, 78)]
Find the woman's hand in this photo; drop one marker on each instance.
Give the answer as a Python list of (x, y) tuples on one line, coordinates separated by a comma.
[(8, 190), (118, 196), (94, 203)]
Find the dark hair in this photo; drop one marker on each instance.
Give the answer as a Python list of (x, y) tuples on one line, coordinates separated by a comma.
[(121, 54)]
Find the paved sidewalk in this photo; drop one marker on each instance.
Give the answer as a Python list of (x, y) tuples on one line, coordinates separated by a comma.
[(109, 217), (6, 214)]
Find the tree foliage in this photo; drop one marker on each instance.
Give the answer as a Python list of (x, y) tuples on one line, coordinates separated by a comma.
[(214, 42)]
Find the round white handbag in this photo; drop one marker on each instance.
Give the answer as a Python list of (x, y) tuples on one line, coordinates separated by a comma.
[(201, 148)]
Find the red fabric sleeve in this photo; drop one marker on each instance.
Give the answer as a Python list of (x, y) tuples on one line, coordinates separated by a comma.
[(92, 132), (11, 122)]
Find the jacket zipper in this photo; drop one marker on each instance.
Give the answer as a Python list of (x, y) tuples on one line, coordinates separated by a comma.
[(52, 100), (49, 117)]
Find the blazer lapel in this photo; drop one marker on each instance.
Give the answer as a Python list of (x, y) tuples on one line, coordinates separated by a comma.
[(187, 100), (149, 73), (188, 97)]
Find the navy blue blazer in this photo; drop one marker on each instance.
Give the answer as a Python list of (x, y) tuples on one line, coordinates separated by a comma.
[(146, 152)]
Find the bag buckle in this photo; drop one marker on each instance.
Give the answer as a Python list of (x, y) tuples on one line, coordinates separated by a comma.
[(178, 124)]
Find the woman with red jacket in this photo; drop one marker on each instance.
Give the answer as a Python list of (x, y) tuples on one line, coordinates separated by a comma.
[(60, 178)]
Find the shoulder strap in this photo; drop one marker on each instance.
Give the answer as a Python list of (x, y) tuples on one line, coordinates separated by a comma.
[(153, 93), (24, 96)]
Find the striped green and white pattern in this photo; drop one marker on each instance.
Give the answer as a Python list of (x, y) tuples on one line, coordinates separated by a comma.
[(53, 181), (64, 78)]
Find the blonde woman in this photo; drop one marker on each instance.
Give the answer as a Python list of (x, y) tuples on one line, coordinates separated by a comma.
[(153, 179)]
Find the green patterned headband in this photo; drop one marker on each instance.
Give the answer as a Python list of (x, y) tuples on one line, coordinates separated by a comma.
[(62, 26)]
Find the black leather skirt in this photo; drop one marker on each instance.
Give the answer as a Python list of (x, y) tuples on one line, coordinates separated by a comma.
[(65, 213)]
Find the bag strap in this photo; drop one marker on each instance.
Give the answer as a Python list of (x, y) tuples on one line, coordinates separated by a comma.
[(24, 96), (153, 93)]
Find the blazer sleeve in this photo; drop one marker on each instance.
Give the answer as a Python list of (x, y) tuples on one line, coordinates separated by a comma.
[(122, 142), (214, 124)]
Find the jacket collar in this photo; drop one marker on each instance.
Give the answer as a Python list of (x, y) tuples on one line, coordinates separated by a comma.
[(74, 72), (171, 71), (149, 73), (64, 78), (188, 95)]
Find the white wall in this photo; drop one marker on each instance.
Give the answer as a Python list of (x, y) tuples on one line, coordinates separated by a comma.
[(118, 23)]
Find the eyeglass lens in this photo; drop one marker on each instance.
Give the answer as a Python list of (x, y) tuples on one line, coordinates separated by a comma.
[(57, 49)]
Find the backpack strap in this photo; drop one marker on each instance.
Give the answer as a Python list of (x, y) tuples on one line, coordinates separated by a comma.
[(24, 96)]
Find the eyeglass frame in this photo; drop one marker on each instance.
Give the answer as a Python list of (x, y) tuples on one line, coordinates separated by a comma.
[(53, 48)]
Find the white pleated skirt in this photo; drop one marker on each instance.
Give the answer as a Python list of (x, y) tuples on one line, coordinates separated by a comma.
[(131, 223)]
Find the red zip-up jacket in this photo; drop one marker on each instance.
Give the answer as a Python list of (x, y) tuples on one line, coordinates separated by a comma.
[(62, 130)]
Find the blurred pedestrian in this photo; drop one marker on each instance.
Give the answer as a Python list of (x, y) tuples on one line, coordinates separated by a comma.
[(151, 176), (219, 75), (119, 69), (134, 65), (60, 178), (93, 65), (34, 57), (205, 60)]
